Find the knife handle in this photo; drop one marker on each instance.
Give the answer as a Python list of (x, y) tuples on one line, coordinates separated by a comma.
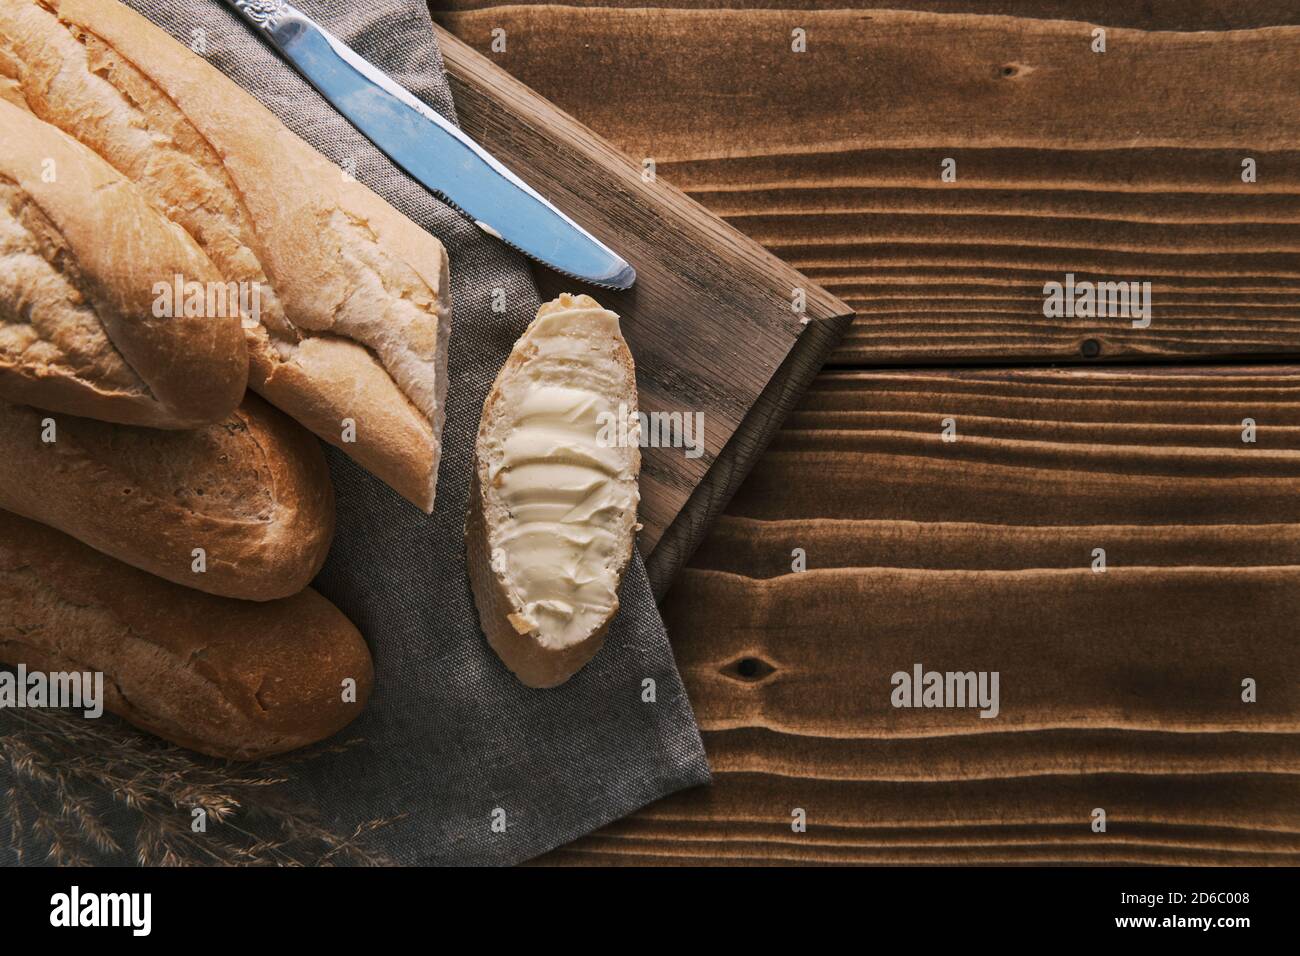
[(262, 14)]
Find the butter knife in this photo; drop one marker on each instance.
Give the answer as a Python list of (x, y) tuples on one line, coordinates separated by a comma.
[(432, 150)]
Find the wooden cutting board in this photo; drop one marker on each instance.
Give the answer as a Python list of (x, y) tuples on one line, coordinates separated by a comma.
[(712, 321)]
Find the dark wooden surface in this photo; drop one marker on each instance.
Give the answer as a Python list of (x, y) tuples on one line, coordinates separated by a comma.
[(1119, 690), (1125, 164), (710, 319)]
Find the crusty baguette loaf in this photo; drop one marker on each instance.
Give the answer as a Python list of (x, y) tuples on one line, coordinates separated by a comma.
[(354, 311), (552, 511), (81, 251), (253, 492), (226, 678)]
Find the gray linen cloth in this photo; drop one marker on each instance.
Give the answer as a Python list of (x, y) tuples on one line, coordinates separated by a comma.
[(450, 736)]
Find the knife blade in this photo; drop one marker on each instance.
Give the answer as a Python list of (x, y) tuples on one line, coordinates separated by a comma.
[(432, 150)]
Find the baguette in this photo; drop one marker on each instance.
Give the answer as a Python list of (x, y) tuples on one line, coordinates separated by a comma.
[(253, 492), (81, 251), (225, 678), (351, 336), (553, 497)]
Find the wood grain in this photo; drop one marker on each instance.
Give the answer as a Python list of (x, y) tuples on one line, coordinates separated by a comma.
[(710, 319), (1150, 15), (1124, 165), (1118, 689), (1121, 689)]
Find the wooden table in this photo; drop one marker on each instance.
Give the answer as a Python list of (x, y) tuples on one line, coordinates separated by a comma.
[(1119, 689)]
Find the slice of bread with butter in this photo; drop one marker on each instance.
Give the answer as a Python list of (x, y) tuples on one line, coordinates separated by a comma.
[(552, 513)]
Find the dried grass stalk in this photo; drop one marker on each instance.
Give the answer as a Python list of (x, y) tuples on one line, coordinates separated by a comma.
[(68, 775)]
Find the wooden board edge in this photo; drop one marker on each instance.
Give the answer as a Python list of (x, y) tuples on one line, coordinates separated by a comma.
[(751, 438)]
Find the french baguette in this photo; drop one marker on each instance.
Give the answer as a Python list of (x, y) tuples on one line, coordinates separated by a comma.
[(225, 678), (251, 493), (553, 502), (354, 315), (81, 251)]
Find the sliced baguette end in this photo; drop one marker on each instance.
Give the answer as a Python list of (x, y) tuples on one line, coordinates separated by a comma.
[(591, 357)]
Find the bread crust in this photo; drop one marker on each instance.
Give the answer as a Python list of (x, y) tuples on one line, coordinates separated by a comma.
[(226, 678), (81, 252), (499, 611), (253, 492), (356, 312)]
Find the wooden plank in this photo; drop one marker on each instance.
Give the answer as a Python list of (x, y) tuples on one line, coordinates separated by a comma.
[(1151, 819), (1124, 165), (710, 320), (1119, 689), (983, 547), (1151, 15)]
